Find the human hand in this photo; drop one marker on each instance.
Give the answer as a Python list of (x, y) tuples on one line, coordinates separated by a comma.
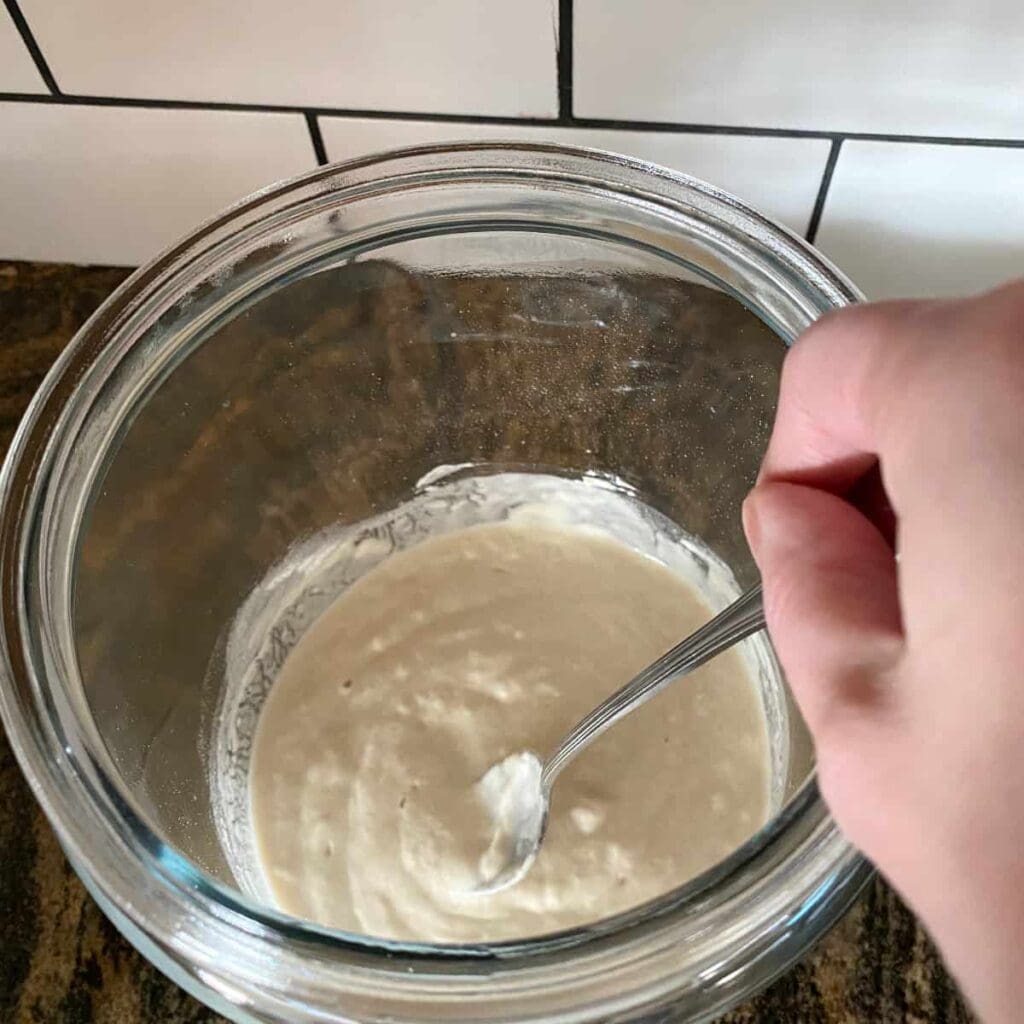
[(910, 673)]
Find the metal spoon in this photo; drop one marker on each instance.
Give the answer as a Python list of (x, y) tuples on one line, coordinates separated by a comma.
[(519, 786)]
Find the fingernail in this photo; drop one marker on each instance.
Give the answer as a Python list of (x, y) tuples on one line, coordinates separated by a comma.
[(751, 521)]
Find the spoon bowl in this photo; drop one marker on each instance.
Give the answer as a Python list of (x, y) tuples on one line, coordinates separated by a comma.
[(514, 791)]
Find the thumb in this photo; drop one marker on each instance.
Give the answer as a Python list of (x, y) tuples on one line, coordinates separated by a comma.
[(831, 602)]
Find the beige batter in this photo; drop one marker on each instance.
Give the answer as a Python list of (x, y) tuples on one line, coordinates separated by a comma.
[(453, 654)]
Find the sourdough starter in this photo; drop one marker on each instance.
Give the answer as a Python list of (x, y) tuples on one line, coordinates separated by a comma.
[(450, 655)]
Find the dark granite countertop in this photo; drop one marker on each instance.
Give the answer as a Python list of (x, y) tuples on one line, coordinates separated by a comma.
[(61, 961)]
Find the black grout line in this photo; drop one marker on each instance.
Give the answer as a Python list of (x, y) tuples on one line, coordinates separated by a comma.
[(686, 128), (822, 196), (565, 72), (32, 46), (316, 138), (667, 127), (682, 128), (70, 99)]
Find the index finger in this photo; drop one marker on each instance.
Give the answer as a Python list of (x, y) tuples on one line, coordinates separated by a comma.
[(835, 379)]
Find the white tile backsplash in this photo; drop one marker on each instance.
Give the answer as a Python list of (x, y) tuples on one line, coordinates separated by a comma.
[(778, 176), (108, 185), (912, 219), (17, 69), (457, 56), (116, 181), (930, 67)]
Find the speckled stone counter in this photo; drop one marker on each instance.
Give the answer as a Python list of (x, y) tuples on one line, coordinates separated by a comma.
[(62, 962)]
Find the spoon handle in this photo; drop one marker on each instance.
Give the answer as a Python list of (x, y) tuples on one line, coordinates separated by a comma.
[(735, 623)]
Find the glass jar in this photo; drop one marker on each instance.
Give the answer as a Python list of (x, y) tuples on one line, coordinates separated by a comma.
[(302, 361)]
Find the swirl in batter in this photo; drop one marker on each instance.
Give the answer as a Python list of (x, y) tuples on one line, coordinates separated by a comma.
[(453, 654)]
